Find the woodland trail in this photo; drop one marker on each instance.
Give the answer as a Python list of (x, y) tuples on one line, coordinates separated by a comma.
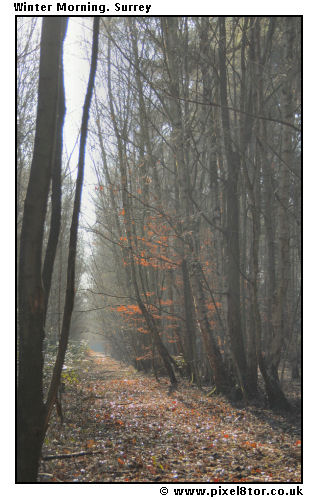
[(123, 426)]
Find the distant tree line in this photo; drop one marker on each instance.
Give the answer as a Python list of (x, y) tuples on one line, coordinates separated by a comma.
[(196, 248)]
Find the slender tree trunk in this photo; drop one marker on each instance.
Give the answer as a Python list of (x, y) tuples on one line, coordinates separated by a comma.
[(56, 193), (283, 214), (214, 356), (269, 365), (172, 54), (70, 287), (232, 227), (190, 327)]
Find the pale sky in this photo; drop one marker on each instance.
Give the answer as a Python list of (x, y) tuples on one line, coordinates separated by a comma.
[(76, 74)]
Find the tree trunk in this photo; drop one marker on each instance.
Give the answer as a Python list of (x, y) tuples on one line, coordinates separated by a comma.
[(31, 294), (190, 327), (232, 227), (56, 192), (269, 364), (70, 288), (214, 356)]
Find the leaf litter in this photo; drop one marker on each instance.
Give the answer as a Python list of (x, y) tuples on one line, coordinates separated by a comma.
[(124, 426)]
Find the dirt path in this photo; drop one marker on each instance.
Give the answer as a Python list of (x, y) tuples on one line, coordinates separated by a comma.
[(130, 429)]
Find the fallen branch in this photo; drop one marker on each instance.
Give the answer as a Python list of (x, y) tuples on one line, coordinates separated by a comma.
[(70, 455)]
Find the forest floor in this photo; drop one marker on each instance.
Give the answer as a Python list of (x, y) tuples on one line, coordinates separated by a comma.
[(124, 426)]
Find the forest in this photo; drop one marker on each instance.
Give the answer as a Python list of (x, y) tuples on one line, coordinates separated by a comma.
[(159, 250)]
